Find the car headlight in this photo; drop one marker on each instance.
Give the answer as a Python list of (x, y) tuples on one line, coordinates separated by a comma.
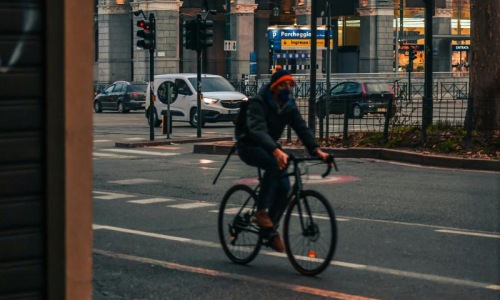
[(210, 101), (244, 99)]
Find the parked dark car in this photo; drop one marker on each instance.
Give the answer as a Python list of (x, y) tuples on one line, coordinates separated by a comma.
[(122, 96), (362, 98)]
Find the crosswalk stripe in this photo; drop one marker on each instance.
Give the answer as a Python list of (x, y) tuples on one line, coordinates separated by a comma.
[(152, 200), (191, 205), (135, 139), (102, 141), (131, 151), (133, 181), (111, 196), (111, 155)]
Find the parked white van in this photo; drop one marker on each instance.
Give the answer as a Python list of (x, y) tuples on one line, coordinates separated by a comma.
[(220, 101)]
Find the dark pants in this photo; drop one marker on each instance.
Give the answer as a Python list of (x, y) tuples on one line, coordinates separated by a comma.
[(274, 186)]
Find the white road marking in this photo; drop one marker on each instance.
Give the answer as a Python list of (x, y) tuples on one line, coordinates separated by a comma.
[(133, 181), (192, 205), (135, 139), (111, 196), (233, 211), (152, 200), (111, 155), (362, 267), (412, 224), (131, 151), (487, 235), (232, 276), (102, 141)]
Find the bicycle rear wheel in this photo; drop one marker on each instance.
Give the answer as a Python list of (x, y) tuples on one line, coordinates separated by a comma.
[(310, 233), (238, 236)]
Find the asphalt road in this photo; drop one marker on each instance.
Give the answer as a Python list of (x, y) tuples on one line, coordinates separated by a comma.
[(405, 231)]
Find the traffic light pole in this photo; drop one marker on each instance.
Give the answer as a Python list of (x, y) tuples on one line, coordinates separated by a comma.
[(152, 97), (198, 77)]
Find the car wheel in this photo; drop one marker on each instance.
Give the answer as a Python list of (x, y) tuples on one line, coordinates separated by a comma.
[(193, 118), (97, 107), (357, 112), (156, 121), (121, 108)]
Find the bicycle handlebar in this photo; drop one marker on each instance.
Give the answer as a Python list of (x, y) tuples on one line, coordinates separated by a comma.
[(329, 162)]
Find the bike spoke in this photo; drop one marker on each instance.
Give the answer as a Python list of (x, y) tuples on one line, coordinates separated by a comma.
[(310, 233)]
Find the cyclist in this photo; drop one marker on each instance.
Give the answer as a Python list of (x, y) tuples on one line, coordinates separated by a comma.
[(267, 115)]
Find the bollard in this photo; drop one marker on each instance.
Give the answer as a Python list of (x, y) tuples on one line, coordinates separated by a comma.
[(167, 123)]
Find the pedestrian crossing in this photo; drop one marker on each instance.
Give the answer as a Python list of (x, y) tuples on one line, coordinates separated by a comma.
[(114, 153), (175, 203)]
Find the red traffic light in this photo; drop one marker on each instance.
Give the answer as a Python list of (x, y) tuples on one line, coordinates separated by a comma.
[(144, 24)]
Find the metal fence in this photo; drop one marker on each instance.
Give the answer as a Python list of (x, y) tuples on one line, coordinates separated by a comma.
[(450, 102), (450, 93)]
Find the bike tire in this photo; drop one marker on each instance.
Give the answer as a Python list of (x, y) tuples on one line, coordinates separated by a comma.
[(239, 237), (310, 251)]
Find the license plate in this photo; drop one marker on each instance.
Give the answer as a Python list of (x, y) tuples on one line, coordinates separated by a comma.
[(233, 112), (382, 109)]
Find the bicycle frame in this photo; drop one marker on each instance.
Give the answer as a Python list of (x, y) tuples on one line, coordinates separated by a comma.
[(295, 191)]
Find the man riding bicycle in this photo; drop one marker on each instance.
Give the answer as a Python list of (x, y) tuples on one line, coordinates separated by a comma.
[(267, 115)]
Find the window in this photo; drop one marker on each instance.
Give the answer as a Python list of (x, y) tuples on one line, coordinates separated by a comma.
[(183, 87), (109, 89), (213, 84), (119, 87), (338, 89), (352, 87)]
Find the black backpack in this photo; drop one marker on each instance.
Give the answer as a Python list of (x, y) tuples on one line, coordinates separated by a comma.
[(240, 126)]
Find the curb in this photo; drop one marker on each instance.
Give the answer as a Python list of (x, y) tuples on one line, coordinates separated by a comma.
[(222, 148), (170, 142)]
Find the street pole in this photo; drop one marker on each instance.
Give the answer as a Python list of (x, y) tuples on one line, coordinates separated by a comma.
[(328, 67), (151, 80), (427, 103), (228, 37), (312, 94), (198, 77)]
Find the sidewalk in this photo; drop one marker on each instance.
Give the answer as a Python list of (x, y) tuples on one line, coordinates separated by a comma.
[(221, 146)]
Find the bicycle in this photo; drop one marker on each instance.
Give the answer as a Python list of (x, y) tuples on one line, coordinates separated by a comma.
[(307, 222)]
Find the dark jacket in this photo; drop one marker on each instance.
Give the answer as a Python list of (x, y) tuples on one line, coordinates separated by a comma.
[(265, 123)]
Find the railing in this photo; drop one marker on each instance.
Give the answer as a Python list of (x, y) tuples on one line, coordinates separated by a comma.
[(450, 100)]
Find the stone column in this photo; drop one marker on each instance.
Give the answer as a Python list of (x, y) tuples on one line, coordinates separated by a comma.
[(168, 30), (114, 50), (442, 26), (242, 30), (376, 36)]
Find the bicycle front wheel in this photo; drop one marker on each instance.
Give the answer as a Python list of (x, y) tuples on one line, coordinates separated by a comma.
[(239, 237), (310, 233)]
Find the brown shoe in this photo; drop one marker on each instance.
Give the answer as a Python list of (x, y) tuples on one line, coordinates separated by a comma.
[(262, 219), (277, 243)]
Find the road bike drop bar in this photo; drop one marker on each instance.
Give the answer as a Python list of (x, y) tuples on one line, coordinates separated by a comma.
[(329, 161)]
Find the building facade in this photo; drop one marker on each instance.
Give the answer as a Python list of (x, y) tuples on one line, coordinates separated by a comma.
[(371, 39)]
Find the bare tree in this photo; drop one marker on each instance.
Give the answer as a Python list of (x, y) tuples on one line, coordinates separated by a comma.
[(485, 65)]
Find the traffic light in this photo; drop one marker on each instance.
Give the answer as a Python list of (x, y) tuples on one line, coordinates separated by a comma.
[(412, 53), (147, 33), (189, 34), (205, 34)]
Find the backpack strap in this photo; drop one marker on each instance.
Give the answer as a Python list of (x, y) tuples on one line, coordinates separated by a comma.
[(231, 152)]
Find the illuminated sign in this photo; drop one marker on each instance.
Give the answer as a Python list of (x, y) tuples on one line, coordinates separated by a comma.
[(296, 39), (460, 47)]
